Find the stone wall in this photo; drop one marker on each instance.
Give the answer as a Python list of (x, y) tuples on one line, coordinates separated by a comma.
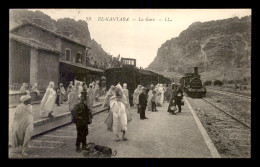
[(47, 38), (38, 34), (33, 66), (48, 69)]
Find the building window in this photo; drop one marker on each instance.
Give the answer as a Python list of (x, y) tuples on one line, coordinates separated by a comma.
[(67, 54), (79, 58)]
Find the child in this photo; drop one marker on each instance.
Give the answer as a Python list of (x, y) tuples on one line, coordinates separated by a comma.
[(153, 102)]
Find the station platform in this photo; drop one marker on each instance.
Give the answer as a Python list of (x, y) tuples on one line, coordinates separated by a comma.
[(61, 116), (162, 135)]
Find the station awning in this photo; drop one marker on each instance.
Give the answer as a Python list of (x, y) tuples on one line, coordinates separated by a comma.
[(82, 66)]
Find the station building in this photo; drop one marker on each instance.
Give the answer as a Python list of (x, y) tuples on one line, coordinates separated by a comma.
[(37, 54)]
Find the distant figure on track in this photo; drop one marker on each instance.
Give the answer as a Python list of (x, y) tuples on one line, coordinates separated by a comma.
[(22, 128), (82, 117), (48, 101)]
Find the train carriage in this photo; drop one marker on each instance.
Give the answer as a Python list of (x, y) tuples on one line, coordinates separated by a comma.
[(133, 76)]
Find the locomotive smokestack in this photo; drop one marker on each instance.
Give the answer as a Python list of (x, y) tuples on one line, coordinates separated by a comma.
[(196, 74)]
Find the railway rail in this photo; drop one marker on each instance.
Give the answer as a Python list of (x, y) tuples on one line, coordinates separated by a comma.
[(230, 135), (229, 93), (233, 117)]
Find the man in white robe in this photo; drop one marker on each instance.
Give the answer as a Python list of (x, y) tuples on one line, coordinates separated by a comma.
[(22, 128), (136, 95), (48, 101), (119, 108), (90, 93), (160, 95), (126, 92)]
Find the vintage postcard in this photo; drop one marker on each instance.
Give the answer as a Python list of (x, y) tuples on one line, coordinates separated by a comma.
[(129, 83)]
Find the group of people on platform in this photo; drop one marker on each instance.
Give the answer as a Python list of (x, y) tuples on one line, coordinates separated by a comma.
[(59, 95), (25, 89), (80, 100)]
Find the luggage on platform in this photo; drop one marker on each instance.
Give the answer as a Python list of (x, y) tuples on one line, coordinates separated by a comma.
[(98, 151)]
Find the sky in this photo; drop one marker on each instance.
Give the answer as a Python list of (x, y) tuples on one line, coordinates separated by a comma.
[(140, 39)]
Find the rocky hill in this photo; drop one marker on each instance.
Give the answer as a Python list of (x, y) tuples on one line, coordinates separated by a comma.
[(78, 30), (221, 49)]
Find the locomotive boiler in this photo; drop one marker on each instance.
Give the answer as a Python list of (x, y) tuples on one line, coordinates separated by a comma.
[(192, 84)]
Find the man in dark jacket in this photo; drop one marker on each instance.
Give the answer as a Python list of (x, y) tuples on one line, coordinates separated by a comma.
[(178, 97), (172, 99), (58, 93), (142, 103), (82, 116)]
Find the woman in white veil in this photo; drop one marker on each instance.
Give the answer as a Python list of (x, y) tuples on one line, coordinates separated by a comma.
[(48, 101), (119, 114)]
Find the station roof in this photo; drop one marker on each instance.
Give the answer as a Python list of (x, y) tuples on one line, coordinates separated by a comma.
[(33, 43), (82, 66), (48, 30)]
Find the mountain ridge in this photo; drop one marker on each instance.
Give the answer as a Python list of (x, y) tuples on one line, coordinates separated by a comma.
[(214, 46)]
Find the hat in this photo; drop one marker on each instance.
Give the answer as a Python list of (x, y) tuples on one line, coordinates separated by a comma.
[(25, 97)]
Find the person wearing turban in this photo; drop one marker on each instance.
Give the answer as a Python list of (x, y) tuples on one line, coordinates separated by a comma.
[(22, 127)]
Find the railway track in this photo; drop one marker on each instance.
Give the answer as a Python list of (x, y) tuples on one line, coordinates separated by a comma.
[(233, 117), (229, 93), (230, 135)]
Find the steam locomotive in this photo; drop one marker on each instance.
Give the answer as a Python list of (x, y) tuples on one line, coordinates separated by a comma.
[(192, 84), (133, 76)]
